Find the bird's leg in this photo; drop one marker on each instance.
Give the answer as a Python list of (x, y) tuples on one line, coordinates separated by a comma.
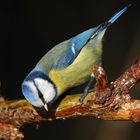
[(91, 82), (98, 80)]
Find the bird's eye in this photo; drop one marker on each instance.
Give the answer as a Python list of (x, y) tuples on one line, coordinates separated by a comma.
[(40, 95)]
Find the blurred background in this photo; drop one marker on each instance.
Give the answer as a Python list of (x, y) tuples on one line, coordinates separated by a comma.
[(29, 28)]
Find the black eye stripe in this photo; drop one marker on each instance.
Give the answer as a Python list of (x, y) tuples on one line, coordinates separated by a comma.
[(40, 95)]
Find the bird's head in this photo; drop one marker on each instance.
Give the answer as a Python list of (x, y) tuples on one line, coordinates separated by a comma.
[(38, 89)]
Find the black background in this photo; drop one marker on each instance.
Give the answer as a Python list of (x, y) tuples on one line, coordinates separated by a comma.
[(29, 28)]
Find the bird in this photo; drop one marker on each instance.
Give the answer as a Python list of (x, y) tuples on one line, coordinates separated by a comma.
[(66, 65)]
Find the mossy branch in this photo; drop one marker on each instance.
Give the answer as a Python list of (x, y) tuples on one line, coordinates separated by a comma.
[(108, 101)]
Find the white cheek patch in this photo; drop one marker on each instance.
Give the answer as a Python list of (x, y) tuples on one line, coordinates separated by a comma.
[(46, 88), (32, 95)]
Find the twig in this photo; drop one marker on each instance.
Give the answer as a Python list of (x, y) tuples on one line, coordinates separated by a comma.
[(108, 101)]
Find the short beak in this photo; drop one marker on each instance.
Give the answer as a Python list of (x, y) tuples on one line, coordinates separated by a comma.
[(46, 107)]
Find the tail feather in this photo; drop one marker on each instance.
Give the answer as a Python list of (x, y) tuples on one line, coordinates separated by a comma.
[(117, 15), (105, 25)]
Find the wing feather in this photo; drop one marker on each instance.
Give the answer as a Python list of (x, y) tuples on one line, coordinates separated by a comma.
[(74, 46), (63, 54)]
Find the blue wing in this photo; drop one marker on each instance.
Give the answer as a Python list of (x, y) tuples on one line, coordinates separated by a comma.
[(74, 46)]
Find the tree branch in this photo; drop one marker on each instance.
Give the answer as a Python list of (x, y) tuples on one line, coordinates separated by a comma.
[(108, 101)]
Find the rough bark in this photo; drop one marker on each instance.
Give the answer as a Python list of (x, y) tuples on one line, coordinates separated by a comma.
[(108, 101)]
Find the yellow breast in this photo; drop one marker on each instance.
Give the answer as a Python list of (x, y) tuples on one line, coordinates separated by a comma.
[(77, 72)]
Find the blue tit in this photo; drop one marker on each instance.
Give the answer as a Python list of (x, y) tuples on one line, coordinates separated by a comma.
[(66, 65)]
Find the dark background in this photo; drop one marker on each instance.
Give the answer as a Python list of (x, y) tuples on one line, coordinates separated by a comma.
[(29, 28)]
